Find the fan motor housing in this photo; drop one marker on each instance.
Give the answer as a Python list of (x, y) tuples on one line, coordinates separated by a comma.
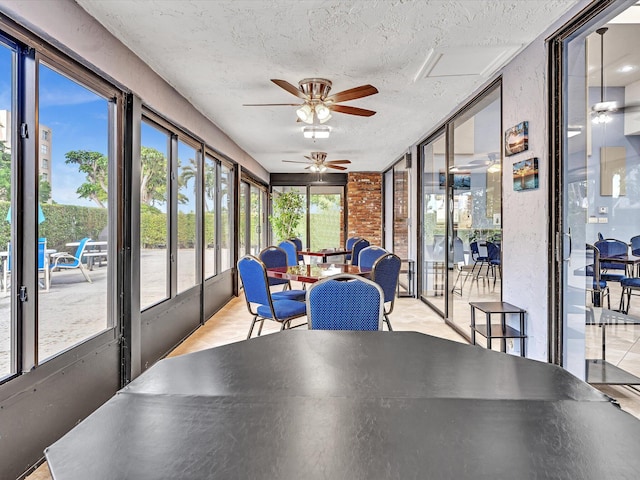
[(315, 88)]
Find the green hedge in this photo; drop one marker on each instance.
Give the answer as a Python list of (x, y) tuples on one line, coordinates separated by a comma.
[(63, 224)]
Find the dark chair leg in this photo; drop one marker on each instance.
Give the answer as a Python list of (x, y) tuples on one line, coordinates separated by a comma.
[(251, 327), (386, 320)]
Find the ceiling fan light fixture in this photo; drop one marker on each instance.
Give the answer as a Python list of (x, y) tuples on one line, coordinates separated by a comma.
[(314, 168), (601, 118), (323, 112), (316, 131), (322, 168), (305, 113)]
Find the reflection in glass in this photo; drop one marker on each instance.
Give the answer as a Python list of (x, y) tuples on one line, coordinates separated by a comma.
[(475, 226), (433, 218)]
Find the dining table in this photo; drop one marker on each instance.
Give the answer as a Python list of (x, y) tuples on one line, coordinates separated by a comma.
[(631, 262), (311, 273), (324, 253), (319, 404)]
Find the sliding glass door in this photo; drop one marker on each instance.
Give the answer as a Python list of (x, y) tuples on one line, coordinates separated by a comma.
[(600, 197), (460, 258)]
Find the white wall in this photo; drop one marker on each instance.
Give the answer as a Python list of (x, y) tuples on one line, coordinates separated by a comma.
[(526, 214), (70, 28)]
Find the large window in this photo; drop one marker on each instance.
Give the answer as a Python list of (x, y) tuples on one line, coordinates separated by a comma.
[(226, 217), (326, 225), (301, 230), (187, 216), (73, 219), (253, 218), (154, 233), (210, 203), (7, 321)]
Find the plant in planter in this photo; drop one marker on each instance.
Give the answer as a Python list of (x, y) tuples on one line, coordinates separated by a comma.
[(288, 210)]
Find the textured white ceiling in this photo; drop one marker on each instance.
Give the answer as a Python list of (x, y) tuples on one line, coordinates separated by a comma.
[(220, 54)]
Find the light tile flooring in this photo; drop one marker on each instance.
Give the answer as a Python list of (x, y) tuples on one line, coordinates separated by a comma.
[(231, 324)]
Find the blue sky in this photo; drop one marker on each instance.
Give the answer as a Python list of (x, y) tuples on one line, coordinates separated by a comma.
[(78, 119)]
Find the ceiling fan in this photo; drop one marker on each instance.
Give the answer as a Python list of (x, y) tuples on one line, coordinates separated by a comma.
[(601, 110), (317, 162), (317, 101)]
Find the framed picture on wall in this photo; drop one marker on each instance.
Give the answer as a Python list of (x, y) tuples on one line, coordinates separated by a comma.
[(525, 175), (516, 139)]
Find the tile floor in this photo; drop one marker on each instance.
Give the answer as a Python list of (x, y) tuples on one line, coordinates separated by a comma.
[(231, 323)]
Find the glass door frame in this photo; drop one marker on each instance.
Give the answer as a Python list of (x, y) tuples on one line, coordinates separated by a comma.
[(559, 238), (448, 129)]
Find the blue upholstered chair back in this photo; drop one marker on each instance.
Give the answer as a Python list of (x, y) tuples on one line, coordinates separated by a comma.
[(345, 302), (369, 255), (493, 252), (386, 271), (290, 248), (357, 247), (274, 257), (298, 243), (610, 247), (253, 274), (635, 245), (349, 246), (477, 254)]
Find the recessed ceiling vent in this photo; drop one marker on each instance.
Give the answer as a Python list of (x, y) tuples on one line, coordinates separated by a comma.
[(465, 61)]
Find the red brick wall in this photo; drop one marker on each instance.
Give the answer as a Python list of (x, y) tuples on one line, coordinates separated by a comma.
[(364, 204)]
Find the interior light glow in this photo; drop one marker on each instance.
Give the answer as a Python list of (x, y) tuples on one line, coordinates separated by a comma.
[(601, 117), (305, 113), (316, 131), (322, 112), (626, 68)]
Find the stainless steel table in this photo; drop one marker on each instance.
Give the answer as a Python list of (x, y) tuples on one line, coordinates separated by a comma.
[(324, 404)]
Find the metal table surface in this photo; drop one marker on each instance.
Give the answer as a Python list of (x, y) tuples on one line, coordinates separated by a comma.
[(322, 404)]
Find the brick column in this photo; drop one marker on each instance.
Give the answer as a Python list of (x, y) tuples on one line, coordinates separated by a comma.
[(364, 203)]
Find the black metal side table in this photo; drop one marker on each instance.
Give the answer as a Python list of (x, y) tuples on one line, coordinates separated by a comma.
[(497, 330)]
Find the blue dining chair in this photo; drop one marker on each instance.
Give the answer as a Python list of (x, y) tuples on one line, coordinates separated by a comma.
[(276, 257), (260, 301), (495, 260), (349, 246), (292, 253), (594, 283), (345, 302), (386, 272), (480, 257), (298, 243), (369, 255), (609, 247), (357, 248)]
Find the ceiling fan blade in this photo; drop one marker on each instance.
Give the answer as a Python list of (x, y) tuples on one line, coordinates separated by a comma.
[(295, 161), (352, 110), (289, 88), (336, 167), (352, 94), (271, 104), (338, 161)]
